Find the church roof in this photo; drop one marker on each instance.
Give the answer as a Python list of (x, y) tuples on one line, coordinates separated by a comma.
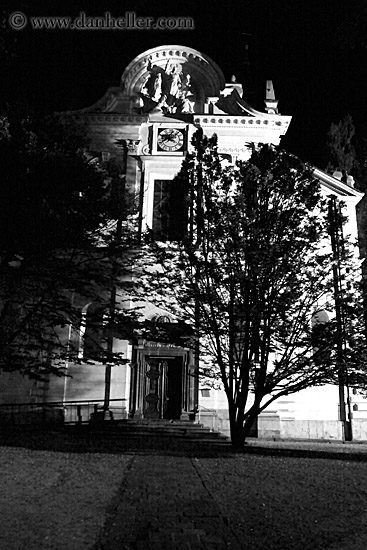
[(335, 185)]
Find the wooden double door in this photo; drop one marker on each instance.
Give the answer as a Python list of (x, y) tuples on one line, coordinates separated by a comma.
[(164, 383)]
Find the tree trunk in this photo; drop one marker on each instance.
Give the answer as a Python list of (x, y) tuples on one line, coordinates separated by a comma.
[(237, 435), (236, 426), (250, 421), (240, 427)]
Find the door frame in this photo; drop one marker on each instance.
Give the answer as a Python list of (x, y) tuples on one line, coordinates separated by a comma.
[(138, 390)]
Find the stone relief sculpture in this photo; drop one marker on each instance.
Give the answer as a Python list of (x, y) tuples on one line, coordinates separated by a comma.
[(169, 89)]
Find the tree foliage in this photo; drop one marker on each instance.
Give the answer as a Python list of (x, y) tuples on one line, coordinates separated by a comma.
[(351, 33), (341, 154), (252, 274), (346, 151), (57, 241), (50, 196)]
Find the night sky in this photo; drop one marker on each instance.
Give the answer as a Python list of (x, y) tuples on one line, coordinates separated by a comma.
[(310, 50)]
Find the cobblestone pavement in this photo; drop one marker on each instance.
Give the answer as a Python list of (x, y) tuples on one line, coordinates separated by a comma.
[(96, 493), (245, 501), (165, 505)]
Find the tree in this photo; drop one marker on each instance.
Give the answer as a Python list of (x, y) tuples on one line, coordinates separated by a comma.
[(58, 247), (346, 151), (341, 154), (252, 275), (351, 33)]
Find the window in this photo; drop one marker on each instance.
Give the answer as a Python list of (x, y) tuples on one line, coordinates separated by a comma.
[(170, 211), (93, 333)]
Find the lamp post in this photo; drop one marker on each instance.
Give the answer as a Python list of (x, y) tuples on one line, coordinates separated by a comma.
[(117, 184), (337, 244)]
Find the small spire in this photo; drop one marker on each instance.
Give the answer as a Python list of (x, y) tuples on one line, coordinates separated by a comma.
[(271, 104), (270, 94)]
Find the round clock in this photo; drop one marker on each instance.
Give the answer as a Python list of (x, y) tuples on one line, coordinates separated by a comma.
[(170, 139)]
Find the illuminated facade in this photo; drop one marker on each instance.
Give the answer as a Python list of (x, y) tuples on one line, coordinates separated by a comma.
[(144, 126)]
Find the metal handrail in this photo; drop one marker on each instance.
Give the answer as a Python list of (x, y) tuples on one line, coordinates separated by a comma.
[(61, 412), (206, 408), (213, 411), (45, 403)]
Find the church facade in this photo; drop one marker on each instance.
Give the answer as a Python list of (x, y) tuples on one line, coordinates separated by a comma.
[(144, 126)]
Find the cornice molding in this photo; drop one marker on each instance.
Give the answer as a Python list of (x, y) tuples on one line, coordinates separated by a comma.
[(108, 118), (273, 123), (233, 150)]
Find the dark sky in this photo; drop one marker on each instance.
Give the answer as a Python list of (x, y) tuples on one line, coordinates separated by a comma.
[(301, 45)]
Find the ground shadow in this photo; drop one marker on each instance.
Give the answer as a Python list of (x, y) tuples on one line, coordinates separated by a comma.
[(94, 441), (91, 440), (322, 452)]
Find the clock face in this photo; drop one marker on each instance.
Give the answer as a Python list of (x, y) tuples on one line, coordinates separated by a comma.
[(170, 139)]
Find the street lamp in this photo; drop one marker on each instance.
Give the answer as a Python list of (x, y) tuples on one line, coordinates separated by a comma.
[(337, 244)]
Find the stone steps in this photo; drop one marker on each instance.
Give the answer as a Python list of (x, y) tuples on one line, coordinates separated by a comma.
[(150, 428)]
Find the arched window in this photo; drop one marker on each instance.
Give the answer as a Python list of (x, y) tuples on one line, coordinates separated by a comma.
[(161, 319), (322, 339)]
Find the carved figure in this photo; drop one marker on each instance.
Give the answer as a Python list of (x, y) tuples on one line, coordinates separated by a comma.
[(163, 103), (144, 86), (187, 83), (188, 104), (187, 96), (157, 88), (175, 84)]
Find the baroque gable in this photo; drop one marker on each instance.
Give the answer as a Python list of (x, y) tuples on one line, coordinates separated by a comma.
[(181, 87)]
